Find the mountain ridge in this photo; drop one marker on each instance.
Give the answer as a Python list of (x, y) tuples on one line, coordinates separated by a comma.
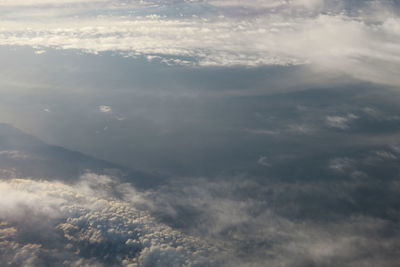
[(24, 155)]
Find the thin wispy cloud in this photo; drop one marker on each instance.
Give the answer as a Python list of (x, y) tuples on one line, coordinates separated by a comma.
[(340, 122)]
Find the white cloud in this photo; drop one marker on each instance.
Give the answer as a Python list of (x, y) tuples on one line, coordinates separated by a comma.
[(43, 2), (40, 52), (105, 109), (101, 222), (271, 4), (363, 46), (340, 122), (90, 226), (260, 236)]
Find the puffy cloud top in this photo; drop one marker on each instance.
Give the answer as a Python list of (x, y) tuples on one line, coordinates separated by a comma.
[(85, 225)]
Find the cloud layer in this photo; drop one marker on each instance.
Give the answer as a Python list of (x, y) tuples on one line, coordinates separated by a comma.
[(86, 225), (280, 224), (346, 215), (358, 39)]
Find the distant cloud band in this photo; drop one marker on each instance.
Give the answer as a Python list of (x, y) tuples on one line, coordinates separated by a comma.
[(218, 33)]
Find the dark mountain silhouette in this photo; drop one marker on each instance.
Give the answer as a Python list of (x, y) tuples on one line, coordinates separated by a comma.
[(23, 155)]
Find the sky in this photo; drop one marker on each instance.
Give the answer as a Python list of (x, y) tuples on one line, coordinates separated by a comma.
[(199, 133)]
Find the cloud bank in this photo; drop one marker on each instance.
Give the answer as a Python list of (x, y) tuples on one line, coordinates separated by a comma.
[(359, 39), (53, 224), (263, 228), (345, 216)]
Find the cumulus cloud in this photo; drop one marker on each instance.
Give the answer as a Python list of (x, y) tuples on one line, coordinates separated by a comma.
[(87, 225), (325, 36), (98, 221)]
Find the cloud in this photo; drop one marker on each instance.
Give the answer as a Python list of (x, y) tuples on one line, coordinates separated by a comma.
[(385, 155), (105, 109), (43, 2), (264, 161), (14, 154), (340, 122), (341, 164), (98, 221), (109, 110), (268, 5), (87, 225), (362, 45), (274, 230)]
